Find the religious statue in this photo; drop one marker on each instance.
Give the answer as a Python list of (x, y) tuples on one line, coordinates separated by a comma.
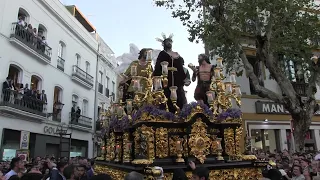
[(142, 153), (203, 72), (136, 68), (176, 73)]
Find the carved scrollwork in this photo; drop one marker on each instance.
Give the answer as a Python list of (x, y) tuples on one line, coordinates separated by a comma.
[(199, 142), (162, 145)]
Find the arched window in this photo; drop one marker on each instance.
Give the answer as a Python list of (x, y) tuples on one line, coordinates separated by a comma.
[(15, 74), (23, 15), (36, 82), (61, 55), (78, 60), (87, 67), (57, 97), (85, 104), (75, 100), (42, 31)]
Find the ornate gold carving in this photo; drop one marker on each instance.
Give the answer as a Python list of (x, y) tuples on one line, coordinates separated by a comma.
[(173, 145), (238, 139), (229, 142), (162, 145), (249, 157), (185, 146), (232, 121), (175, 130), (195, 111), (114, 173), (199, 142), (111, 147), (149, 133), (126, 148), (214, 145), (142, 161), (232, 174)]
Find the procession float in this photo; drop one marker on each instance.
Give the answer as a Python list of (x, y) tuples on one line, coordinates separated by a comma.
[(140, 136)]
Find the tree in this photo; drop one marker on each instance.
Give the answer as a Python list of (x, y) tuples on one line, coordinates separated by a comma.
[(280, 30)]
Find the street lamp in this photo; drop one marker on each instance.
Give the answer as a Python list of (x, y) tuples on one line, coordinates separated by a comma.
[(58, 106)]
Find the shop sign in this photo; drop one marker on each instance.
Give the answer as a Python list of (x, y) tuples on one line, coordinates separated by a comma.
[(263, 107), (24, 139), (52, 130)]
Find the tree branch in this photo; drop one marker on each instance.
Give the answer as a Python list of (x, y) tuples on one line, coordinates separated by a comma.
[(263, 92)]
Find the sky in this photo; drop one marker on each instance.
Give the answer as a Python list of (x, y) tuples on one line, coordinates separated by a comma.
[(121, 22)]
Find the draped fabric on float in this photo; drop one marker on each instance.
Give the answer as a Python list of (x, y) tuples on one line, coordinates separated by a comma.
[(178, 78)]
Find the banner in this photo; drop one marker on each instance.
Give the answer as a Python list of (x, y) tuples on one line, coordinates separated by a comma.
[(24, 139)]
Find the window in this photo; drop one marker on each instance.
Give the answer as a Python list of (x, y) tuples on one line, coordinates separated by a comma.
[(15, 74), (78, 60), (35, 82), (265, 139), (85, 108), (113, 90), (42, 31), (75, 100), (257, 67), (57, 107), (61, 54), (23, 15), (87, 67), (100, 77), (107, 86)]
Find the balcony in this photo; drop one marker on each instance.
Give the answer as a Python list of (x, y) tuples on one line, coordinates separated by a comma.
[(100, 88), (107, 92), (22, 106), (82, 77), (300, 88), (78, 121), (25, 40), (60, 63)]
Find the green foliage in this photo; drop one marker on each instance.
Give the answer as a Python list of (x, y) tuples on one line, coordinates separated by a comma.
[(225, 24)]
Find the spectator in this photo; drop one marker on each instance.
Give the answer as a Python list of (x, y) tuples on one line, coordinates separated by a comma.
[(15, 166), (200, 173), (134, 176)]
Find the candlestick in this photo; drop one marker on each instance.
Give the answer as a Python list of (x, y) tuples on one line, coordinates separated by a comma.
[(149, 55), (219, 62), (164, 66), (228, 87), (178, 146), (217, 73), (210, 96), (173, 93), (233, 77)]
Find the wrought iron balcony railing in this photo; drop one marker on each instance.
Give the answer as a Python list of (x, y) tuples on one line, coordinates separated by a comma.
[(28, 38), (81, 74), (24, 102), (78, 119), (60, 63)]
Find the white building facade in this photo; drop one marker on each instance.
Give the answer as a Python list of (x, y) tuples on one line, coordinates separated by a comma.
[(268, 123), (59, 58)]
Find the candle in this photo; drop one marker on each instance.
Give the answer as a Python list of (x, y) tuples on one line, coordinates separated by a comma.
[(237, 90), (219, 143), (210, 96), (149, 55), (219, 63), (157, 83), (129, 146), (164, 66), (178, 146), (117, 148), (129, 105), (233, 77), (120, 111), (217, 73), (133, 70), (173, 93), (136, 84), (228, 87)]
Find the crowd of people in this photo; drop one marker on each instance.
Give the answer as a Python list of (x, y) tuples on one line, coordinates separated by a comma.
[(282, 166)]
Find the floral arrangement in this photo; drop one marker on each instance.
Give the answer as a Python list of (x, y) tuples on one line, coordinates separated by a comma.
[(119, 124), (187, 110), (233, 113), (153, 111)]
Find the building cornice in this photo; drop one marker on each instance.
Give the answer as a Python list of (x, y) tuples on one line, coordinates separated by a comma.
[(69, 27)]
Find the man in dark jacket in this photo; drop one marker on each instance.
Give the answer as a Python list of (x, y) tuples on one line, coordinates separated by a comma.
[(57, 173)]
